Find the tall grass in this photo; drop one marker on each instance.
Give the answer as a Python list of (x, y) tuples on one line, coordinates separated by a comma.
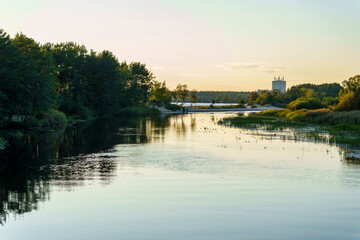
[(324, 116), (311, 128)]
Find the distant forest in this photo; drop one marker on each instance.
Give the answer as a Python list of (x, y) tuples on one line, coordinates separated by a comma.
[(222, 96)]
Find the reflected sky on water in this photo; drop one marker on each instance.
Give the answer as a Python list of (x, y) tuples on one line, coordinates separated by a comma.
[(176, 177)]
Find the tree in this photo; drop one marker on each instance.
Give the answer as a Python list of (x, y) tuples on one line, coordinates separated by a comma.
[(216, 100), (347, 102), (266, 98), (238, 97), (38, 77), (70, 59), (10, 77), (106, 83), (160, 94), (141, 81), (182, 92), (352, 85), (305, 103), (193, 97), (253, 97)]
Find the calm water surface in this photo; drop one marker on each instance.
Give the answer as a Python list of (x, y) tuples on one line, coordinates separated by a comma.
[(178, 177)]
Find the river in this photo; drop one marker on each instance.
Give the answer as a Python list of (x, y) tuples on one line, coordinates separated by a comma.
[(175, 177)]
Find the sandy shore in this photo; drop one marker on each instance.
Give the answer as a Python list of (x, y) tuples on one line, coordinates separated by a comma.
[(195, 110)]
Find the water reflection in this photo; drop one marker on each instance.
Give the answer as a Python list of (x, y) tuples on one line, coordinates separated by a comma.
[(69, 157), (65, 157)]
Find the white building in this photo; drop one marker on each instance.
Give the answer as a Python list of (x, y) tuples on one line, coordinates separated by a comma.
[(279, 84)]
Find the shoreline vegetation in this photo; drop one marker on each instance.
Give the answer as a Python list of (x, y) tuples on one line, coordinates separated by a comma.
[(57, 84), (321, 116), (49, 85), (339, 128)]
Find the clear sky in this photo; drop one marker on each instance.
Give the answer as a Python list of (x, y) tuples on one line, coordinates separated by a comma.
[(206, 44)]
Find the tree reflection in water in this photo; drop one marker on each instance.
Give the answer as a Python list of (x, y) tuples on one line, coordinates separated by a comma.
[(35, 161)]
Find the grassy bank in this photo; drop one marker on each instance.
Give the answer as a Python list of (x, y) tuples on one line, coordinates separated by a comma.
[(56, 118), (319, 116), (218, 107)]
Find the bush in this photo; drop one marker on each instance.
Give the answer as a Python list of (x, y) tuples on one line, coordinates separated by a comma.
[(253, 106), (274, 112), (172, 107), (305, 103), (298, 115), (349, 117), (318, 116), (241, 105), (55, 117)]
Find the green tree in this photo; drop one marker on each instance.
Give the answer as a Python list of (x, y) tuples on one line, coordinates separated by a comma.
[(193, 96), (70, 59), (10, 78), (141, 81), (253, 98), (305, 103), (160, 94), (266, 98), (106, 83), (38, 74), (217, 99), (182, 92), (348, 101)]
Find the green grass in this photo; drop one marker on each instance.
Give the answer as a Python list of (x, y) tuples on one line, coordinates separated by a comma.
[(257, 122), (319, 116)]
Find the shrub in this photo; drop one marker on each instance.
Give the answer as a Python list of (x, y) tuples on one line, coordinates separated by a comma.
[(273, 112), (305, 103), (241, 105), (317, 116), (298, 115), (172, 107), (55, 117)]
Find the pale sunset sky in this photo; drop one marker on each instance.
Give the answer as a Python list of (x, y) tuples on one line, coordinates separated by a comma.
[(236, 45)]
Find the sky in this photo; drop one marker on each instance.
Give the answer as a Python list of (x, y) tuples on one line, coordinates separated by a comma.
[(237, 45)]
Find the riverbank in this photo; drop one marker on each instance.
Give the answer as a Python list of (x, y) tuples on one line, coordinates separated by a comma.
[(347, 135), (220, 109)]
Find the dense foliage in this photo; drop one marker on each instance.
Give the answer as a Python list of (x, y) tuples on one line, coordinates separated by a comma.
[(303, 96), (222, 96), (41, 83)]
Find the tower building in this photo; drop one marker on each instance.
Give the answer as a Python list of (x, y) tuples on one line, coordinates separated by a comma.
[(279, 84)]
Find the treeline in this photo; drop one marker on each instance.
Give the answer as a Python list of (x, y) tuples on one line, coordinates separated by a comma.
[(47, 82), (308, 96), (222, 96)]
